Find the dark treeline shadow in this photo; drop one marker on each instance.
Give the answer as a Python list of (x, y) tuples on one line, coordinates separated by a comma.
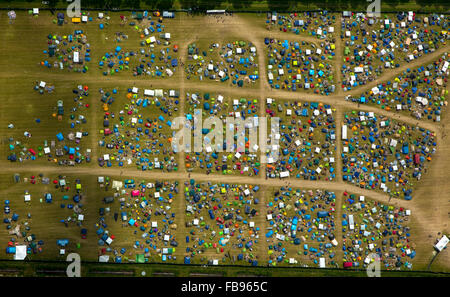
[(200, 6)]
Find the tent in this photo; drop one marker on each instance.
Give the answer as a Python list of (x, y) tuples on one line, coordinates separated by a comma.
[(62, 242), (12, 15), (21, 252), (140, 258), (103, 258)]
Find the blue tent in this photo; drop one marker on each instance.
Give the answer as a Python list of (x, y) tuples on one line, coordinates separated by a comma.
[(48, 197), (59, 136), (62, 242), (187, 260)]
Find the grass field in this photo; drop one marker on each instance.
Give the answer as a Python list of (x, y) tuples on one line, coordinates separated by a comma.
[(24, 42)]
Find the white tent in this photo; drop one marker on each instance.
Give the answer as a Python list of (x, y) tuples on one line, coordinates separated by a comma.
[(103, 258), (149, 92), (76, 57), (284, 174), (322, 262), (12, 15), (21, 252), (117, 184)]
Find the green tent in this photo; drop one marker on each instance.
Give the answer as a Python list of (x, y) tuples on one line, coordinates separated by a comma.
[(346, 51), (140, 258)]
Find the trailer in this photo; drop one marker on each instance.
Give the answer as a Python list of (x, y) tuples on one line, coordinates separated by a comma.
[(351, 222), (76, 57), (344, 132)]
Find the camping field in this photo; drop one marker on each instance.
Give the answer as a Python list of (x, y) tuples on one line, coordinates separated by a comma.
[(128, 140)]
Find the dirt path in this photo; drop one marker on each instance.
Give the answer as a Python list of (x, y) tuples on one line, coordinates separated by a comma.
[(182, 85), (339, 58), (337, 186)]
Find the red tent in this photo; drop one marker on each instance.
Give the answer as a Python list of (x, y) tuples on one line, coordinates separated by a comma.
[(348, 264)]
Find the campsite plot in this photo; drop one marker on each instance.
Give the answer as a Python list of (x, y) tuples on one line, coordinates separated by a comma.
[(158, 52), (300, 65), (146, 45), (70, 52), (373, 229), (227, 60), (420, 92), (116, 60), (137, 221), (373, 46), (301, 227), (156, 57), (103, 36), (321, 24), (49, 214), (136, 129), (383, 153), (211, 159), (306, 140), (53, 123), (223, 223)]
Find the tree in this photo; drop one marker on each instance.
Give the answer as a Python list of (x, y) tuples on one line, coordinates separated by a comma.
[(276, 5), (113, 3), (200, 5), (159, 4), (52, 3), (132, 4)]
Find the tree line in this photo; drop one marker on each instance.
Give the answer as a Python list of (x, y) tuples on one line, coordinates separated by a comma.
[(273, 5)]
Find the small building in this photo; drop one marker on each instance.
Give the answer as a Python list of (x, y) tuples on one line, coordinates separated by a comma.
[(442, 243)]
